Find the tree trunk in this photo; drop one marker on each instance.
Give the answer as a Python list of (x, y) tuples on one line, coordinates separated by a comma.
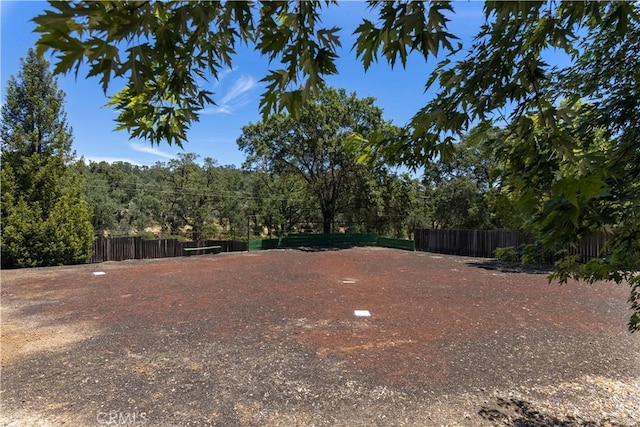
[(327, 219)]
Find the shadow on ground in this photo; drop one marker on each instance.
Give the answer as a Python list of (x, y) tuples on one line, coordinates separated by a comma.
[(505, 267), (320, 248), (520, 413)]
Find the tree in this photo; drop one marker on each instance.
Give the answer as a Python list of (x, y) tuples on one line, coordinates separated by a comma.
[(125, 198), (104, 206), (457, 204), (279, 201), (606, 130), (182, 197), (501, 77), (235, 206), (483, 201), (315, 145), (45, 220), (380, 201), (192, 195)]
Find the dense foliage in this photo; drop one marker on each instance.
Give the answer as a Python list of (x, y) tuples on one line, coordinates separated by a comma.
[(316, 146), (182, 197), (199, 200), (45, 220), (283, 185)]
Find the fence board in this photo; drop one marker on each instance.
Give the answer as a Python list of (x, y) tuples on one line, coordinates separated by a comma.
[(123, 248), (483, 243)]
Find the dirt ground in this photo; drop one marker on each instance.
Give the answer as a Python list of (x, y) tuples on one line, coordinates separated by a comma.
[(270, 339)]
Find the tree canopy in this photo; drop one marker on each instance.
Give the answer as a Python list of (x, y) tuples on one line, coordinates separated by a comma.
[(316, 145), (45, 220), (163, 48)]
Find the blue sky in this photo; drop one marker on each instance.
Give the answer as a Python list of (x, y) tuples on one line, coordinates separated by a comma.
[(399, 92)]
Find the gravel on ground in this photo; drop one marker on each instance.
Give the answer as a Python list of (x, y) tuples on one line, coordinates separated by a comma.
[(270, 338)]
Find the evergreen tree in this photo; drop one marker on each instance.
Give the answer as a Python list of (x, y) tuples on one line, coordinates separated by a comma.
[(45, 220)]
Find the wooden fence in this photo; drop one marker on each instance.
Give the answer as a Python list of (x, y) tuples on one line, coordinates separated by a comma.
[(483, 243), (122, 248), (473, 243), (591, 246)]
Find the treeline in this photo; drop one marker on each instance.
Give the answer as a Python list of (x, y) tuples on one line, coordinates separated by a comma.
[(198, 199), (179, 198), (195, 200)]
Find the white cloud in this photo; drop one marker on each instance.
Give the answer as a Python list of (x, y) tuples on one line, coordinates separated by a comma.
[(243, 85), (148, 149), (236, 97), (218, 109)]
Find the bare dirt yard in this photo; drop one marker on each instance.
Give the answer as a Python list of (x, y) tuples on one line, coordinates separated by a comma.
[(270, 339)]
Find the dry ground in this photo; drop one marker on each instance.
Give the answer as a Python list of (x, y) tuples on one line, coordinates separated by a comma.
[(270, 338)]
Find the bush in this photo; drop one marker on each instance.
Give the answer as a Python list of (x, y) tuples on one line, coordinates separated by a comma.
[(147, 235), (507, 254)]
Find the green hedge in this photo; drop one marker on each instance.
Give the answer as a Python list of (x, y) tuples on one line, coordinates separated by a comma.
[(335, 240), (388, 242), (256, 245)]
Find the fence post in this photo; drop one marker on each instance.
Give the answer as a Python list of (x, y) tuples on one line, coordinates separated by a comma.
[(248, 231)]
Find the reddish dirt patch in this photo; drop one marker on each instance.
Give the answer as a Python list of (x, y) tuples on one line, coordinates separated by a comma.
[(271, 338)]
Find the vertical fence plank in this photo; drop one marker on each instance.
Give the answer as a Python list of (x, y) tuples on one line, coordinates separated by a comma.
[(123, 248), (483, 243)]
